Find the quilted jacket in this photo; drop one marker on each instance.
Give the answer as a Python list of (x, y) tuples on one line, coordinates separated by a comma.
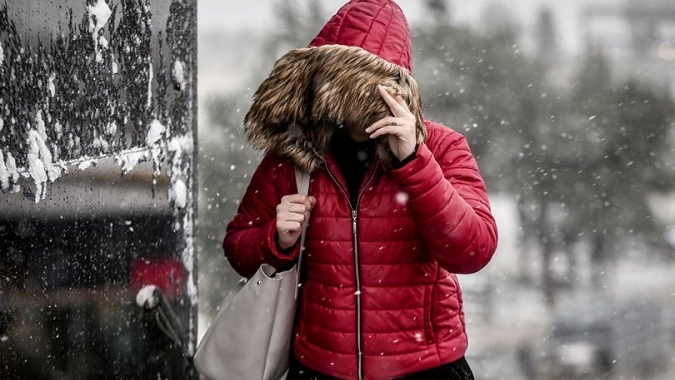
[(379, 298)]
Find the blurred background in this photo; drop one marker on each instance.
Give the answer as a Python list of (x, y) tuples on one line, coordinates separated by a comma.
[(568, 107)]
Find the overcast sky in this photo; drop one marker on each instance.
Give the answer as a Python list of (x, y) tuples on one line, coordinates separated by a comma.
[(258, 14)]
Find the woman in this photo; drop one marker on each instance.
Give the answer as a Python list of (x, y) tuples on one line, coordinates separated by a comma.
[(396, 205)]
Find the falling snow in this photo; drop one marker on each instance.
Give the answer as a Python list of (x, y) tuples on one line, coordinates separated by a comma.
[(402, 198)]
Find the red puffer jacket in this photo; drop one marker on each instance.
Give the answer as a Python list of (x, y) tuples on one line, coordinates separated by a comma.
[(414, 227), (380, 298)]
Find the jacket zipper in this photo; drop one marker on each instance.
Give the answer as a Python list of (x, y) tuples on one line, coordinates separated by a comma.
[(357, 274)]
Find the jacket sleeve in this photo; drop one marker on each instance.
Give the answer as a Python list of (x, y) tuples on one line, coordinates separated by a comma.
[(250, 239), (449, 202)]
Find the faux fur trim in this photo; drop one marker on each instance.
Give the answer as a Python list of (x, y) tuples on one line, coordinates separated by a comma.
[(312, 92)]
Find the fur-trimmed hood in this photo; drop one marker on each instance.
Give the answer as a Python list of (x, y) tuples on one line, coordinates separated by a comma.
[(312, 92)]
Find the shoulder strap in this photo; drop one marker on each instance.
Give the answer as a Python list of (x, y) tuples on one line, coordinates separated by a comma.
[(302, 181)]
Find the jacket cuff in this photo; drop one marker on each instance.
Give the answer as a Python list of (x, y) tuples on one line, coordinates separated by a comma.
[(412, 165), (399, 164), (273, 254)]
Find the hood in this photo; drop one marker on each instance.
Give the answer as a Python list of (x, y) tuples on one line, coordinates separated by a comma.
[(312, 92), (377, 26)]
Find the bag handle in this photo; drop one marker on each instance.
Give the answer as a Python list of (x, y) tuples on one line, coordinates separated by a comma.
[(302, 181)]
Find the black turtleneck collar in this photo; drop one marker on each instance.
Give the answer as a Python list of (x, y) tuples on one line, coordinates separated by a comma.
[(352, 158)]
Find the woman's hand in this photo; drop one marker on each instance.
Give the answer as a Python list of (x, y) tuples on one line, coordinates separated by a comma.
[(291, 213), (400, 129)]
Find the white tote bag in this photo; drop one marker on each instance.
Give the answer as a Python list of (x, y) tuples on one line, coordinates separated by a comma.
[(250, 337)]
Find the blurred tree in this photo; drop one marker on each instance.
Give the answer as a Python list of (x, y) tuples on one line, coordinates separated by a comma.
[(473, 83), (620, 132), (439, 10), (547, 41), (298, 24), (499, 101), (565, 156)]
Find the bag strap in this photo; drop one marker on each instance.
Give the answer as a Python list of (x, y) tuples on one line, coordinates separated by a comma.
[(302, 181)]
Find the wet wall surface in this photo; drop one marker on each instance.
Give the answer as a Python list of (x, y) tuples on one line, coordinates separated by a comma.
[(97, 137)]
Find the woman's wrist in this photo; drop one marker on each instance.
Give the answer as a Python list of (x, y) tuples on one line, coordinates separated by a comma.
[(400, 163)]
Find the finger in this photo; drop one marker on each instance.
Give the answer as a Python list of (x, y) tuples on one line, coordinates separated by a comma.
[(292, 217), (402, 103), (297, 217), (383, 123), (391, 102), (387, 130), (288, 227), (294, 198), (397, 103), (294, 207), (308, 209), (309, 204)]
